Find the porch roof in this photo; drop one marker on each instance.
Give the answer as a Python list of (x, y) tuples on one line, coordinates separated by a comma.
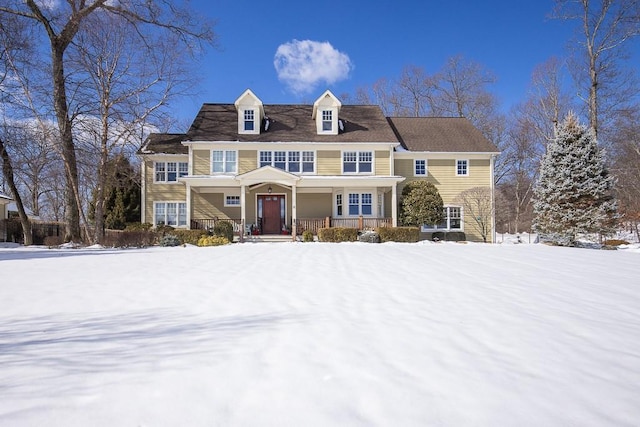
[(288, 180)]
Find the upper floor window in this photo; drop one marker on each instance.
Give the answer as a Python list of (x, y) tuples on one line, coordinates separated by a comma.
[(420, 167), (170, 171), (224, 161), (357, 162), (327, 120), (291, 161), (249, 120), (462, 167)]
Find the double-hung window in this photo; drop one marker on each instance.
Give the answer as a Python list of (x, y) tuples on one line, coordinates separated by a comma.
[(291, 161), (170, 213), (224, 161), (359, 204), (327, 120), (357, 162), (170, 171), (462, 167), (249, 122), (420, 167)]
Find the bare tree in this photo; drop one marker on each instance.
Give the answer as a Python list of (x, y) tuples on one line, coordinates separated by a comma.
[(124, 89), (478, 207), (606, 26), (61, 23)]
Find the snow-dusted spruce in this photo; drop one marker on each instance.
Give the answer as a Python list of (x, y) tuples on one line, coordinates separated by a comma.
[(573, 194)]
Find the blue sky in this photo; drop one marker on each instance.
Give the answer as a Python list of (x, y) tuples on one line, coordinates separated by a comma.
[(359, 42)]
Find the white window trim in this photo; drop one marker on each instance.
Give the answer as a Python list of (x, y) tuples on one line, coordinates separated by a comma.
[(357, 172), (256, 121), (231, 205), (424, 228), (301, 152), (468, 167), (166, 172), (426, 167), (177, 202), (345, 202), (224, 163)]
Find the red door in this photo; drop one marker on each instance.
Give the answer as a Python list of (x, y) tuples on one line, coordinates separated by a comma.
[(272, 213)]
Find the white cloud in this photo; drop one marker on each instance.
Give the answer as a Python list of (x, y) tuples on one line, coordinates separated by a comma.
[(303, 64)]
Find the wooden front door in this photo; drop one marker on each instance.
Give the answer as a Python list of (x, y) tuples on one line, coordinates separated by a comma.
[(271, 208)]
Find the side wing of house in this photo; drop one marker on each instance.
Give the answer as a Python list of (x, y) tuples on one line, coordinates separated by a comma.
[(455, 157)]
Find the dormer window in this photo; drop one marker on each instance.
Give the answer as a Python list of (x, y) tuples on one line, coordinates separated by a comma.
[(249, 120), (325, 113), (250, 113), (327, 120)]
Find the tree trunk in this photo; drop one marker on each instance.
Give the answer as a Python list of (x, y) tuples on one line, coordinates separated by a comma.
[(68, 146), (7, 170)]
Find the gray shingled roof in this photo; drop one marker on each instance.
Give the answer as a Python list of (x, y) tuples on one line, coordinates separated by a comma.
[(166, 143), (291, 123), (440, 134)]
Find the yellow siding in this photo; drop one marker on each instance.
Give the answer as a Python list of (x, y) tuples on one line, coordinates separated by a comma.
[(442, 173), (201, 162), (211, 205), (160, 192), (382, 163), (3, 211), (329, 163), (314, 205), (247, 160)]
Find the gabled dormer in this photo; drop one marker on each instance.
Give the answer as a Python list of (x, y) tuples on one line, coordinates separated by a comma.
[(250, 113), (325, 113)]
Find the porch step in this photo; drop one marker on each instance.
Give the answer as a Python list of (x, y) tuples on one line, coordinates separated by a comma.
[(273, 238)]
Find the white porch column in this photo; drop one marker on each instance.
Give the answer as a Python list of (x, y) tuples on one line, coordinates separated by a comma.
[(294, 210), (243, 205), (188, 206), (394, 205)]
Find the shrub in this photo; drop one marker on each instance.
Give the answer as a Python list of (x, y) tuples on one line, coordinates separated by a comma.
[(213, 241), (169, 240), (129, 239), (337, 234), (164, 229), (223, 229), (455, 236), (399, 234), (52, 241), (307, 236), (138, 226), (189, 236), (369, 237)]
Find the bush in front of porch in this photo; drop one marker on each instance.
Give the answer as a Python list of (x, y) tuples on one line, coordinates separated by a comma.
[(337, 234)]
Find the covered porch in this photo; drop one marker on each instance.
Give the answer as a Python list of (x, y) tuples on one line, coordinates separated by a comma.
[(270, 201)]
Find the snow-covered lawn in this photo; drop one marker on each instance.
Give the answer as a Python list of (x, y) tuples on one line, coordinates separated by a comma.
[(315, 334)]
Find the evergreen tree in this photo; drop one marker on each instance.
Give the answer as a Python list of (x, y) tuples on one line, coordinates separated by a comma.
[(122, 195), (420, 204), (573, 194)]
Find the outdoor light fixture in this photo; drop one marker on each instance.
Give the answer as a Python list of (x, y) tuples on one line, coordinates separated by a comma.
[(269, 189)]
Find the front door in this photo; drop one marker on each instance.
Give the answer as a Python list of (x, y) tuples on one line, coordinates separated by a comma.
[(271, 208)]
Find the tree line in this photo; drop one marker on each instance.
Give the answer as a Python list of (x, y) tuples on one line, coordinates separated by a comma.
[(595, 82), (82, 84)]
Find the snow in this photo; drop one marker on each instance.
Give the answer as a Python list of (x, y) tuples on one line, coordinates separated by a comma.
[(320, 334)]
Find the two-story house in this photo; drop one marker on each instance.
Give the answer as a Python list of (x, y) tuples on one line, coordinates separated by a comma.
[(274, 169)]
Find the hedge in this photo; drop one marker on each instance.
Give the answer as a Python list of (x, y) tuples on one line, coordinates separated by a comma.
[(399, 234), (337, 234)]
